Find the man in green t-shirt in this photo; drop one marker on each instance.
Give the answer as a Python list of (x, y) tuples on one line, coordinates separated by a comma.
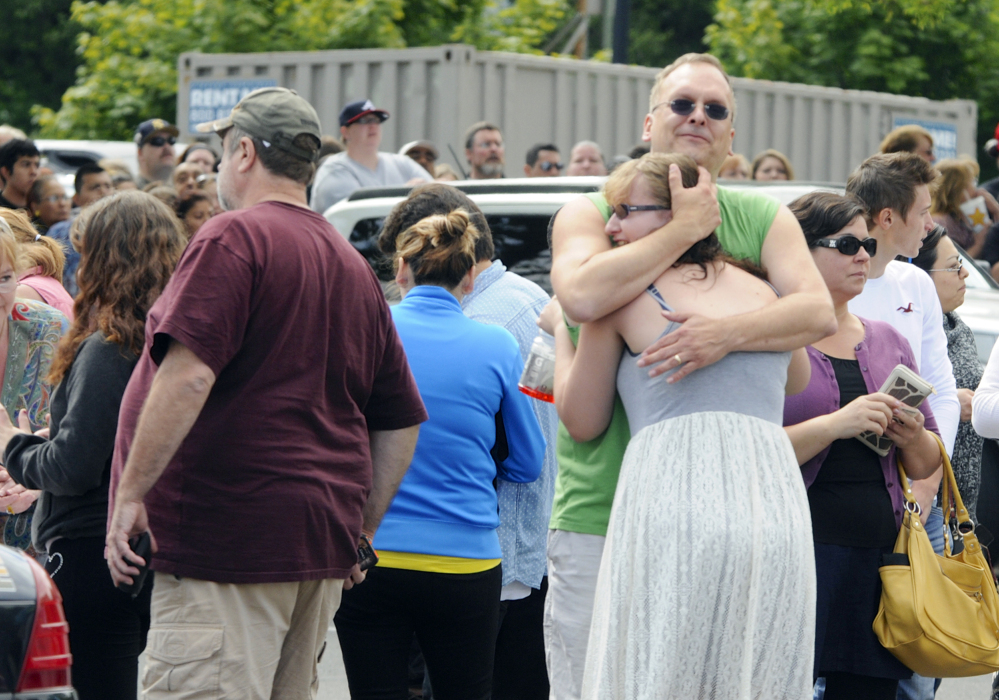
[(691, 111)]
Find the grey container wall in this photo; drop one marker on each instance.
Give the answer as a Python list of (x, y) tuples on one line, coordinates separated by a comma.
[(436, 93)]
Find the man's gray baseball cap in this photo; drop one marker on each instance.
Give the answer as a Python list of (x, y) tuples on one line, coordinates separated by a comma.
[(276, 116)]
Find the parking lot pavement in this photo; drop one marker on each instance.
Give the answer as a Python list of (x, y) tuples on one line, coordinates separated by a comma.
[(976, 688), (333, 680)]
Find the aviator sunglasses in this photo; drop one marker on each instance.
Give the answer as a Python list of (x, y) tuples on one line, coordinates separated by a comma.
[(158, 141), (847, 245), (622, 210), (683, 107)]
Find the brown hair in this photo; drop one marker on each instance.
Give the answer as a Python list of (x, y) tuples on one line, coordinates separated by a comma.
[(905, 139), (684, 60), (655, 168), (129, 245), (439, 249), (889, 181), (278, 161), (771, 153), (956, 176), (35, 249), (428, 200)]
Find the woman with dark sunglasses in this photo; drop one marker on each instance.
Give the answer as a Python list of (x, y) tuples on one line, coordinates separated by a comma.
[(708, 497), (854, 495)]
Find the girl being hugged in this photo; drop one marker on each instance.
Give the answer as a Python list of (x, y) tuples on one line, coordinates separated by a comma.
[(706, 587)]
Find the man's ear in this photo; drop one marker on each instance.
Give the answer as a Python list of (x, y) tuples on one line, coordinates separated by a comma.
[(884, 218), (245, 154), (527, 170), (4, 174), (468, 284)]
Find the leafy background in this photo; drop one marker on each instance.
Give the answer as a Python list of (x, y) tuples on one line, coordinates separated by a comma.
[(94, 69)]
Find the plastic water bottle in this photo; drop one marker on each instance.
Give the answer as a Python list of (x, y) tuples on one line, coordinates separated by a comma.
[(538, 379)]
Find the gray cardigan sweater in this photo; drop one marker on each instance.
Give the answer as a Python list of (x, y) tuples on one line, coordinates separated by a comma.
[(73, 467)]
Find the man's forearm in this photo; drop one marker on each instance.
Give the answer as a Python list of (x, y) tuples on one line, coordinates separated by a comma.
[(391, 453), (178, 393), (611, 279), (787, 324)]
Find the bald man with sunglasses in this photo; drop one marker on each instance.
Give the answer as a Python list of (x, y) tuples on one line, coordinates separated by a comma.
[(691, 111)]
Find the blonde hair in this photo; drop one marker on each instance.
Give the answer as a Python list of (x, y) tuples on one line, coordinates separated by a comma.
[(771, 153), (956, 176), (35, 249), (684, 60), (439, 249), (905, 138), (9, 249)]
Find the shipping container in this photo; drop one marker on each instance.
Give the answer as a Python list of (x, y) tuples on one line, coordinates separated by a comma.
[(436, 93)]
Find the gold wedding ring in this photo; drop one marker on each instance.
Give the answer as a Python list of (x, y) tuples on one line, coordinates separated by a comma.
[(678, 360)]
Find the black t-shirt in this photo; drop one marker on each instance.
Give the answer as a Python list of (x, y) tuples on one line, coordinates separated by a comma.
[(7, 204), (850, 503)]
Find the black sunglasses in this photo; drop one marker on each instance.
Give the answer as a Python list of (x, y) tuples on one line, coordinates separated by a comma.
[(684, 107), (158, 141), (847, 245), (546, 166), (622, 210)]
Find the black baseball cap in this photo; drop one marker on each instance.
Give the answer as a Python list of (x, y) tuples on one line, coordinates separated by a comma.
[(146, 129), (355, 110)]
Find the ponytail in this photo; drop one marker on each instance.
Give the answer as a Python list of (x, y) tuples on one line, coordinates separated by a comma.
[(440, 249)]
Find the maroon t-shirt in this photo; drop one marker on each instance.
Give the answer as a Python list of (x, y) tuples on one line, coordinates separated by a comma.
[(269, 484)]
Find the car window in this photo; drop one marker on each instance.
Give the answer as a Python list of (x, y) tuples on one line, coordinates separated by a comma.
[(521, 243)]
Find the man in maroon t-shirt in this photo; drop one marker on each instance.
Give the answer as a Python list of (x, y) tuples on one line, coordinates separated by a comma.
[(265, 429)]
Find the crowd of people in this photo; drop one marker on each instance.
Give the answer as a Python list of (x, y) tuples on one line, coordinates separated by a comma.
[(193, 352)]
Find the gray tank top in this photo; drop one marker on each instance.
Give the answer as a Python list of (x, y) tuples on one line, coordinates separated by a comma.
[(751, 383)]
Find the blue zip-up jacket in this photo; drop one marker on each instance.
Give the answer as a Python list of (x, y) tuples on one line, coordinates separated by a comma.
[(466, 372)]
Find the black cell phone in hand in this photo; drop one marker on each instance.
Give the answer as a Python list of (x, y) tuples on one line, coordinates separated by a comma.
[(366, 554), (142, 545)]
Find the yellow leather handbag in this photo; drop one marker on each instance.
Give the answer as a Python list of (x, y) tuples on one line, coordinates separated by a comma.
[(939, 615)]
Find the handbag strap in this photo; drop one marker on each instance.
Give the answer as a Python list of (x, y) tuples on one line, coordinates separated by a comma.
[(950, 490)]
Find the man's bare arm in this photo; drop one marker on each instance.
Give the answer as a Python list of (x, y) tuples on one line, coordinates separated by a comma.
[(179, 391), (591, 279), (803, 314), (177, 395), (391, 453)]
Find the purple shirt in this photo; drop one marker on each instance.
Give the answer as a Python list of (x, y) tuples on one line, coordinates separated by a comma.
[(878, 353)]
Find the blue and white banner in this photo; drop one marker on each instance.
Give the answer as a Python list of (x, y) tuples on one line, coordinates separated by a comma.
[(944, 135), (209, 100)]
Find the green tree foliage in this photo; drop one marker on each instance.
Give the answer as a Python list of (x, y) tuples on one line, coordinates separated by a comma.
[(931, 48), (130, 48), (659, 32), (37, 57)]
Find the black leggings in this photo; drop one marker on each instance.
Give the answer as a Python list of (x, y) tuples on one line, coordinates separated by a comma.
[(454, 616), (107, 629), (848, 686)]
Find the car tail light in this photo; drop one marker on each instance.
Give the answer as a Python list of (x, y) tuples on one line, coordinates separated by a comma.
[(48, 660)]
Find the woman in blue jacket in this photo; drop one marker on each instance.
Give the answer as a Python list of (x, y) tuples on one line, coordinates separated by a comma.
[(439, 573)]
